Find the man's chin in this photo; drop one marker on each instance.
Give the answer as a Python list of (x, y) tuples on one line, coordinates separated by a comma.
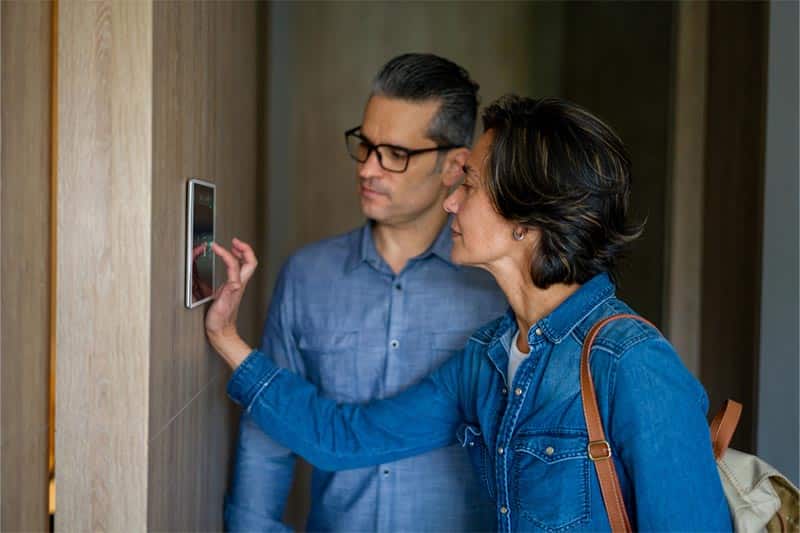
[(373, 211)]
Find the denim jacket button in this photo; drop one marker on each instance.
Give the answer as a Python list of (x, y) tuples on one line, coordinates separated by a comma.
[(500, 450), (539, 331), (549, 450), (505, 390), (503, 509), (518, 391)]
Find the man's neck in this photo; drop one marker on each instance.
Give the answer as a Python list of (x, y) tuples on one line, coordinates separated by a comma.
[(397, 243)]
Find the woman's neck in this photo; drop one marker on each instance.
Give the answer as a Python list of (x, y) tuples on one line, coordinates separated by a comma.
[(529, 302)]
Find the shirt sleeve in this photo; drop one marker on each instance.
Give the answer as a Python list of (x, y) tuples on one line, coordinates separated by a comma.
[(263, 469), (660, 433), (335, 436)]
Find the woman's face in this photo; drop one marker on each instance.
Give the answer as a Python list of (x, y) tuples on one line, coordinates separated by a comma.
[(481, 237)]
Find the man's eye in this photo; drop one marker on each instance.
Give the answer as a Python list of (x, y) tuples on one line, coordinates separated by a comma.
[(397, 154)]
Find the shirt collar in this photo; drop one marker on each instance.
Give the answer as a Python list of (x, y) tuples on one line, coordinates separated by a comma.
[(364, 250)]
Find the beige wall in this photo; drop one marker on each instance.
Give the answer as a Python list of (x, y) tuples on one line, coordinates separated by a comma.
[(24, 263), (208, 93), (150, 95)]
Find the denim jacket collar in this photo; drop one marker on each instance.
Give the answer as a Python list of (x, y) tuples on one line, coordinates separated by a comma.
[(557, 325), (574, 310)]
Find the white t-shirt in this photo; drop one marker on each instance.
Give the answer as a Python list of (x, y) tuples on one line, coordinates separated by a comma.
[(515, 358)]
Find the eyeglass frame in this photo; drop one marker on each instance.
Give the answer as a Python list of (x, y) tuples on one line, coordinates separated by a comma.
[(355, 132)]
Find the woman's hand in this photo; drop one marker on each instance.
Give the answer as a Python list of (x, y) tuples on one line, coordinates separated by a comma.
[(240, 264)]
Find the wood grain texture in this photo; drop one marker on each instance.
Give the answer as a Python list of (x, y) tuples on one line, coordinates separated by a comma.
[(104, 234), (208, 91), (734, 185), (685, 211), (24, 263), (189, 464)]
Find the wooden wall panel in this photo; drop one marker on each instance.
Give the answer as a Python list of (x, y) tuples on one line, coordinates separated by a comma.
[(208, 91), (618, 64), (685, 208), (104, 234), (25, 61), (734, 185)]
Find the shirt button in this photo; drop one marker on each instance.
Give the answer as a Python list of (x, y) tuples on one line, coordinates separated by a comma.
[(538, 331), (518, 391), (500, 450), (398, 287), (505, 390), (504, 509), (549, 450), (395, 344), (386, 472)]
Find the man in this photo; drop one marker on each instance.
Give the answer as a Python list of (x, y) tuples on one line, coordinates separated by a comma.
[(366, 314)]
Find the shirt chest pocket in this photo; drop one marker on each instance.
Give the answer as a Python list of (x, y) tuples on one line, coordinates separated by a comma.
[(330, 362), (550, 479), (472, 441)]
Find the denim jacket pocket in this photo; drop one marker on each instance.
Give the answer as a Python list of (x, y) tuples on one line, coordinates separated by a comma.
[(550, 479), (330, 361), (471, 439)]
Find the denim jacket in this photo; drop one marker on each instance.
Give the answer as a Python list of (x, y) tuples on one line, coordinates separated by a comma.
[(527, 440)]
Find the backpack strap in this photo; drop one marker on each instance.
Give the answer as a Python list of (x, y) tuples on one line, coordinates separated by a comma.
[(724, 425), (599, 449)]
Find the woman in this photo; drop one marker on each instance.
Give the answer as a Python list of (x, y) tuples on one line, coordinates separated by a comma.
[(543, 207)]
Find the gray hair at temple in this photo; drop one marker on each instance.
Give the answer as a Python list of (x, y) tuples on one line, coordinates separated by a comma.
[(423, 77)]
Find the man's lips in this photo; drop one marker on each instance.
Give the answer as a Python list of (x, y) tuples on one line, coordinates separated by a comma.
[(366, 191)]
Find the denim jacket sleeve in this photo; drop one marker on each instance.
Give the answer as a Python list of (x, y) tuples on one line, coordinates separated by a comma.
[(335, 436), (263, 469), (659, 429)]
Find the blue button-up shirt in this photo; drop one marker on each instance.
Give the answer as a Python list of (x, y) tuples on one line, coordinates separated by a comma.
[(527, 439), (342, 319)]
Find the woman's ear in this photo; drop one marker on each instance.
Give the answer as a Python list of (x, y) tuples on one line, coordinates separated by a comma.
[(453, 166)]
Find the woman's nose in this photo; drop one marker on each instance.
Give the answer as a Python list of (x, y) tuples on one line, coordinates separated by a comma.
[(451, 202)]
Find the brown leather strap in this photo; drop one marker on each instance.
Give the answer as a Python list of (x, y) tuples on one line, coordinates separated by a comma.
[(724, 425), (599, 449)]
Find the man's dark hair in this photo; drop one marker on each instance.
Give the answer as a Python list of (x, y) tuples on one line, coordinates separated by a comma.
[(421, 77), (556, 167)]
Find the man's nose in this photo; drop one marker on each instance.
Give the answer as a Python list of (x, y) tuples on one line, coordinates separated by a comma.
[(371, 167)]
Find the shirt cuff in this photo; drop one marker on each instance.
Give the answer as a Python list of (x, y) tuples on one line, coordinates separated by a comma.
[(250, 378)]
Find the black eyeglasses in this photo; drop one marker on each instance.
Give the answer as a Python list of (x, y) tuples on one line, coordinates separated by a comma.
[(391, 157)]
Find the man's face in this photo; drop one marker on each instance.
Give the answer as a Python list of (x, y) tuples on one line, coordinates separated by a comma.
[(392, 197)]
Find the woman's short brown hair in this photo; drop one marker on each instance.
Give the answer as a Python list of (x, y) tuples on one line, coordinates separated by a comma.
[(556, 167)]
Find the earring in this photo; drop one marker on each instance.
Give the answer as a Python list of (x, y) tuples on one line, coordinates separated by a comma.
[(517, 236)]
